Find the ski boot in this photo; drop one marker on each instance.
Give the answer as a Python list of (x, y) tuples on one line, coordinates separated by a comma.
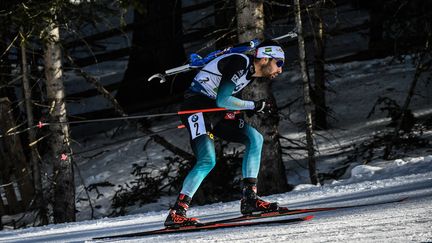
[(251, 203), (177, 214)]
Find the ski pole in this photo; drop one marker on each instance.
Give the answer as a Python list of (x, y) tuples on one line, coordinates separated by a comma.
[(142, 116), (12, 131)]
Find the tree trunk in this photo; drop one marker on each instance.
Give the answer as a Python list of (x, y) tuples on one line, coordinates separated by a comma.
[(306, 95), (224, 14), (376, 30), (63, 175), (320, 97), (272, 178), (156, 46), (250, 20), (34, 155), (13, 163), (6, 36)]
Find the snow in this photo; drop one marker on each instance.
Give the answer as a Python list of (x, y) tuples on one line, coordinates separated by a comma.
[(354, 89), (101, 158), (407, 221)]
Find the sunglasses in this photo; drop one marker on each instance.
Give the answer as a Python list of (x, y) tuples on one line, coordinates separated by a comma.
[(279, 61)]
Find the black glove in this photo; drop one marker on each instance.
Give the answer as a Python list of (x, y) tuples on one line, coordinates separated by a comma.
[(264, 106)]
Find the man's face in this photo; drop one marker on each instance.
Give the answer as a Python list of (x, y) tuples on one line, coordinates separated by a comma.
[(271, 69)]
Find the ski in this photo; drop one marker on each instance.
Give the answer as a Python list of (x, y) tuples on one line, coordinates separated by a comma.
[(301, 211), (207, 226), (237, 221)]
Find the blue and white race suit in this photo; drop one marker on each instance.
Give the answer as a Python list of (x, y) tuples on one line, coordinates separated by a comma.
[(216, 86)]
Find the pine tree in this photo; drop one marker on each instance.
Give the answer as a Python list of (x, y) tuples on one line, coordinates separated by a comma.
[(63, 176), (306, 95), (272, 177)]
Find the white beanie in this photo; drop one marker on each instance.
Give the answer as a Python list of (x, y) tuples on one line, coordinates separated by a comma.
[(270, 52)]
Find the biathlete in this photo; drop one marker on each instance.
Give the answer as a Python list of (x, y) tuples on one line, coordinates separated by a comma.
[(216, 86)]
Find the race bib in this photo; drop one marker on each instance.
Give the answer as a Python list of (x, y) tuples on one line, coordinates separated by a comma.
[(197, 125)]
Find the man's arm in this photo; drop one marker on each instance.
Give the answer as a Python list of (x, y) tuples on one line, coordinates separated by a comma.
[(230, 67)]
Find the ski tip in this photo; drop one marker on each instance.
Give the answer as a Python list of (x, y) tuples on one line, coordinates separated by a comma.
[(308, 217)]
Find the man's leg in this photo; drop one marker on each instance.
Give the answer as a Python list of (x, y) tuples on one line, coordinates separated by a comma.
[(203, 147), (238, 131)]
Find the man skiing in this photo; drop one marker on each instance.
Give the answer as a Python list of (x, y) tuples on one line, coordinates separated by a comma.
[(215, 86)]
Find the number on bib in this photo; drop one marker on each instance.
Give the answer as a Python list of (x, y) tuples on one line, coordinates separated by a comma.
[(197, 125)]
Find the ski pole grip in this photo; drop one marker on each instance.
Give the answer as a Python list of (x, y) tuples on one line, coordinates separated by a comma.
[(178, 69), (169, 72)]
